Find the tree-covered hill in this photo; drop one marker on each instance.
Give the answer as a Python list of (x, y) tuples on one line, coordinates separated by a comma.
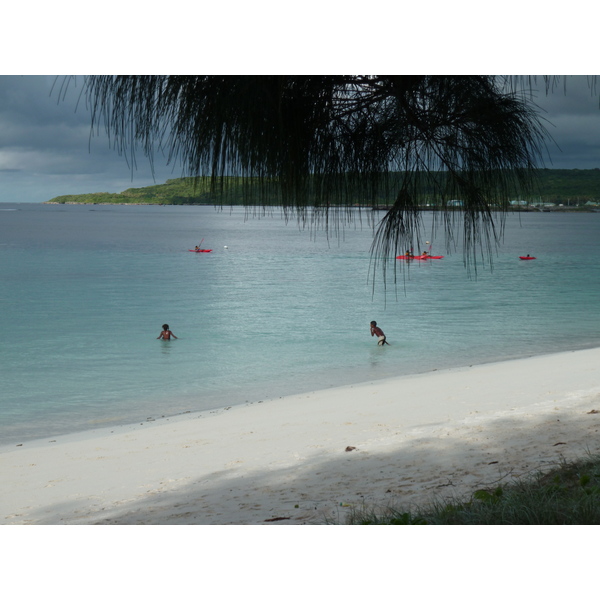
[(173, 191), (570, 187)]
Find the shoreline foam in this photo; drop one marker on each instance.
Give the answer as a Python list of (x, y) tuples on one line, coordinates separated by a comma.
[(311, 457)]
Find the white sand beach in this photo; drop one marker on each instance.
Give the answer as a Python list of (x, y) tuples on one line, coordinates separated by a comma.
[(310, 458)]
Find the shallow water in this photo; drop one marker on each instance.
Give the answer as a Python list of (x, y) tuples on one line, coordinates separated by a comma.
[(85, 290)]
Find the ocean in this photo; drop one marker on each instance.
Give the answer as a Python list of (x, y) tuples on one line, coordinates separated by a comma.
[(273, 310)]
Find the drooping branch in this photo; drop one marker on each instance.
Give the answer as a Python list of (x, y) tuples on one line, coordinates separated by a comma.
[(319, 145)]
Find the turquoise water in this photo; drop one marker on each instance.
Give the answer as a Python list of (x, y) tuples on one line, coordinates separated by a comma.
[(85, 290)]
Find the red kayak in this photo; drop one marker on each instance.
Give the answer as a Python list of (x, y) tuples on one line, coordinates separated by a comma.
[(527, 257), (201, 250), (404, 257)]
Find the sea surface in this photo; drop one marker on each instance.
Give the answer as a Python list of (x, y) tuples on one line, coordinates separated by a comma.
[(273, 310)]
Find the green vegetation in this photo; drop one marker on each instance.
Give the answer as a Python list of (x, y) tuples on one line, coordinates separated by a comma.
[(186, 190), (567, 495), (174, 191), (569, 187)]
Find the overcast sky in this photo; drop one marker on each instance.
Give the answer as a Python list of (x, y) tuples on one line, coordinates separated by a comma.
[(46, 149)]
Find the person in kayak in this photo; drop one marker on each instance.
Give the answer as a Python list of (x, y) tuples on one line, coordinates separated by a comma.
[(166, 333), (381, 341)]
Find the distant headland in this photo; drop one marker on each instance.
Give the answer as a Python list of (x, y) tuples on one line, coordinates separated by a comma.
[(556, 189)]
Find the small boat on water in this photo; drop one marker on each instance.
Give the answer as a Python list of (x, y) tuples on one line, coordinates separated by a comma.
[(419, 257), (527, 257), (198, 249)]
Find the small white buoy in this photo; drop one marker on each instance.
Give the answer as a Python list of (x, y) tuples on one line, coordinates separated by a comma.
[(224, 246)]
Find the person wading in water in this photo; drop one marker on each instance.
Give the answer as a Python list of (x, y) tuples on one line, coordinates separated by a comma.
[(166, 333), (381, 341)]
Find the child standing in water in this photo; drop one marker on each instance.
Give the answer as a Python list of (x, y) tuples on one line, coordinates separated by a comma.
[(166, 333), (380, 335)]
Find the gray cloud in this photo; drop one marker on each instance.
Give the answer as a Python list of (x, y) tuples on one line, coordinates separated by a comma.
[(47, 150), (571, 114)]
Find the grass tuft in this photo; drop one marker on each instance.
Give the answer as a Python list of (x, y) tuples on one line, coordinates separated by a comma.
[(567, 495)]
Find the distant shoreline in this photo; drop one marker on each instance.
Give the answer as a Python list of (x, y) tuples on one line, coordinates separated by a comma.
[(554, 189), (123, 204), (562, 209)]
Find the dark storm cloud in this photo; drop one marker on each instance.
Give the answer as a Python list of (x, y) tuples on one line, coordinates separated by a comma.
[(46, 147), (571, 115), (31, 119)]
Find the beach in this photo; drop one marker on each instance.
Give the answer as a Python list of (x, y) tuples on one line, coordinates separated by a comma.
[(311, 458)]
